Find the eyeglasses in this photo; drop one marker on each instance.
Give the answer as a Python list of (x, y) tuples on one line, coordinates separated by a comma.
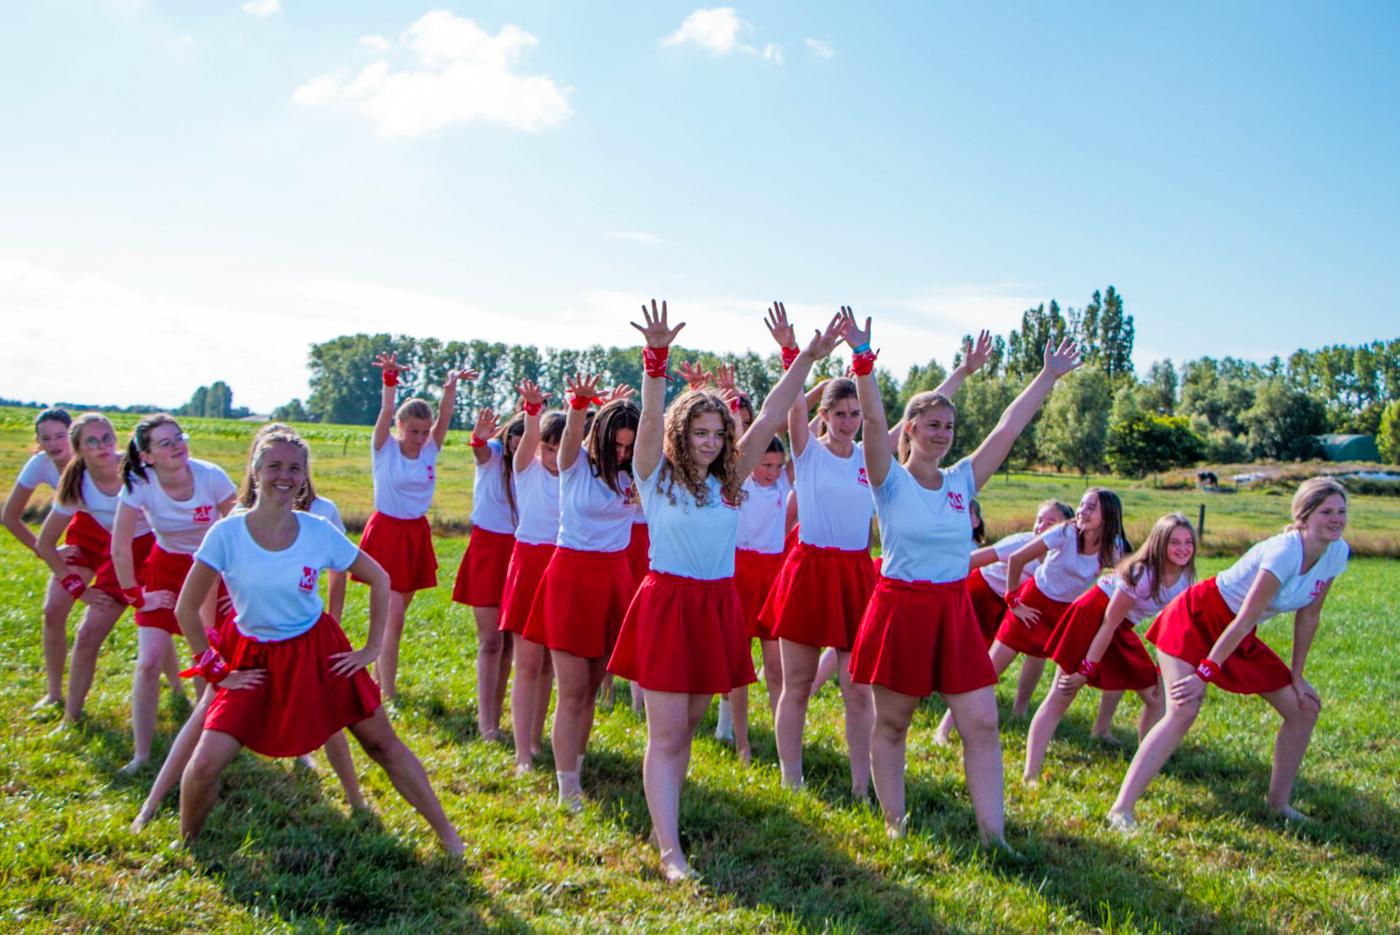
[(98, 442), (165, 444)]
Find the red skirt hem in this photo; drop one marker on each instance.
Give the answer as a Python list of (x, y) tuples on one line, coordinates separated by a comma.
[(1031, 639), (527, 564), (987, 605), (918, 638), (481, 577), (754, 575), (581, 601), (165, 571), (1126, 664), (1188, 627), (639, 552), (819, 596), (403, 548)]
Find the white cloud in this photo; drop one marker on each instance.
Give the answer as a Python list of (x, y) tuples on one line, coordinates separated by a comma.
[(635, 236), (715, 29), (819, 48), (773, 53), (262, 8), (375, 43), (462, 75)]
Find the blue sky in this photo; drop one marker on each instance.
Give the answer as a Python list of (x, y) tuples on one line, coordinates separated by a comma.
[(195, 191)]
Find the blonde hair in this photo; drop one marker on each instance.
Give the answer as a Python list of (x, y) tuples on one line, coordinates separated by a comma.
[(679, 465), (414, 409), (248, 490), (918, 404), (1152, 556), (1311, 494), (70, 483)]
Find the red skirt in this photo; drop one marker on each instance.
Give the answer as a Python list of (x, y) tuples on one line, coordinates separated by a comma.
[(1125, 665), (987, 605), (403, 548), (481, 578), (581, 601), (1188, 627), (1032, 639), (918, 638), (95, 544), (527, 565), (639, 552), (684, 635), (819, 596), (300, 703), (165, 571), (754, 574)]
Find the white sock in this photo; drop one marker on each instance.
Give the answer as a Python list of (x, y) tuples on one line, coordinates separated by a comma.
[(724, 728)]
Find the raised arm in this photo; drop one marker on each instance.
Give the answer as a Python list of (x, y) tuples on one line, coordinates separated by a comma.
[(1256, 602), (482, 431), (658, 334), (875, 429), (448, 404), (582, 392), (786, 395), (973, 357), (996, 446), (786, 338), (389, 364), (532, 402)]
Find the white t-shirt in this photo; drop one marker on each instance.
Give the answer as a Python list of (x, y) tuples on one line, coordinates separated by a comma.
[(328, 511), (686, 539), (995, 573), (925, 535), (1282, 555), (403, 487), (762, 515), (1144, 605), (275, 594), (101, 507), (490, 508), (537, 499), (180, 525), (591, 517), (834, 505), (38, 470), (1064, 574)]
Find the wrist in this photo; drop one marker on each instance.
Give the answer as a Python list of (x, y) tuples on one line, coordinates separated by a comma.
[(477, 441), (391, 378), (789, 354), (863, 362), (861, 348), (1207, 671), (73, 585), (1089, 668), (654, 361), (134, 597), (532, 409)]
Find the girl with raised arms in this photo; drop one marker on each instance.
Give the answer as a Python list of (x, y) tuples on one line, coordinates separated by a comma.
[(919, 634), (398, 535), (684, 638), (179, 498), (43, 469), (1206, 636), (1095, 644), (481, 577), (302, 682)]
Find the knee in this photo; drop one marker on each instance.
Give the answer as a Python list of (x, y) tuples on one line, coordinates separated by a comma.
[(202, 770), (978, 725), (490, 642), (1304, 715), (890, 730), (670, 746), (380, 748), (1152, 697), (88, 639), (1182, 714), (573, 695), (149, 666)]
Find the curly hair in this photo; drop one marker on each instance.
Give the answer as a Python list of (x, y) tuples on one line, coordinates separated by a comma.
[(678, 465)]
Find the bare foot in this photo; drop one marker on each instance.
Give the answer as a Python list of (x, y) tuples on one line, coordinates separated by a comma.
[(675, 868), (1122, 821), (142, 819), (1289, 813), (133, 767), (523, 769), (895, 830), (943, 738), (306, 762), (1108, 740), (1032, 780), (998, 845), (745, 756)]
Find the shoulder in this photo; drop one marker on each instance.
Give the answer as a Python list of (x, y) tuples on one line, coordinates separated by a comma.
[(1337, 555), (962, 474)]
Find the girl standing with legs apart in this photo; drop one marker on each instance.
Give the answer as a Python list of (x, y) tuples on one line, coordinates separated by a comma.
[(55, 451), (398, 535), (301, 682), (1207, 636), (1094, 642), (535, 465), (179, 498), (684, 638), (481, 578), (84, 512), (588, 584), (919, 635)]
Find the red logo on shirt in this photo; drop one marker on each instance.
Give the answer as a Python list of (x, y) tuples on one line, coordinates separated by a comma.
[(1318, 585), (308, 578), (430, 472), (862, 478), (955, 500), (204, 514)]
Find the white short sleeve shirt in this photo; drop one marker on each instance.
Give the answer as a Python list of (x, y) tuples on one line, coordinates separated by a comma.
[(403, 487), (925, 535), (1282, 556), (180, 525)]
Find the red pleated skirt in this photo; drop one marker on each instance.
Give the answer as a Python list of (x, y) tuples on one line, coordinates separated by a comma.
[(581, 601), (819, 596), (527, 565), (684, 635), (1125, 666), (987, 605), (165, 571), (481, 578), (1188, 627), (918, 638), (1032, 639), (403, 548), (754, 574), (95, 543), (300, 703), (639, 552)]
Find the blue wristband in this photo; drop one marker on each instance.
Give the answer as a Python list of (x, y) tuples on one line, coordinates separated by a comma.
[(863, 349)]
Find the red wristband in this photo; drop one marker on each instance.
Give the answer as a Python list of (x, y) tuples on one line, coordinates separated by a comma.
[(73, 585), (1088, 668), (532, 409), (391, 378), (1207, 671), (654, 361), (863, 363), (210, 664), (789, 355), (478, 441), (736, 405), (583, 402), (1013, 600), (134, 597)]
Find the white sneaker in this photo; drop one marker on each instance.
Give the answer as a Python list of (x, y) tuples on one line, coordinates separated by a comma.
[(724, 727)]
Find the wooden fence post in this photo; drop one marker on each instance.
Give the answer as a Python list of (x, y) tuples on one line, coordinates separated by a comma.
[(1201, 526)]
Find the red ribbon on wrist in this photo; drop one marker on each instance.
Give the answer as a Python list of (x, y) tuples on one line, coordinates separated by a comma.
[(210, 664), (1013, 600), (478, 441), (391, 378), (789, 355), (736, 405), (654, 361), (73, 585), (1088, 668), (134, 597), (1207, 671), (532, 409), (583, 402), (863, 363)]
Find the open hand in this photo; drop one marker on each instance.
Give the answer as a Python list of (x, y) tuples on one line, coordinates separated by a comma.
[(695, 376), (657, 330), (486, 423), (1308, 698), (348, 663), (389, 362), (1188, 689), (1070, 681), (157, 600), (621, 391), (976, 355), (583, 385), (779, 328), (824, 342), (1029, 616), (1061, 360), (240, 679), (530, 393), (850, 329)]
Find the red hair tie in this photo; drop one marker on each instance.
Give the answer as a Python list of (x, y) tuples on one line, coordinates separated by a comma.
[(210, 664), (532, 409), (583, 402), (863, 363), (391, 378), (654, 361), (789, 355)]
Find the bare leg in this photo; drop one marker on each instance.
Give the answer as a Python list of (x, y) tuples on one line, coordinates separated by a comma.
[(772, 675), (739, 706), (58, 604), (893, 712), (1047, 719), (860, 721), (1002, 656), (799, 668), (529, 660), (503, 677), (338, 754), (490, 647), (97, 624), (1103, 722), (1293, 736), (152, 647), (671, 722), (1153, 707), (638, 698), (389, 653), (1158, 746), (573, 715), (181, 749), (199, 786), (170, 666), (376, 735), (976, 715), (826, 668), (1026, 682), (544, 688)]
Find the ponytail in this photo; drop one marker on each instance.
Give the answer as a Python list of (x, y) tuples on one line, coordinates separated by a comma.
[(141, 442), (70, 482)]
